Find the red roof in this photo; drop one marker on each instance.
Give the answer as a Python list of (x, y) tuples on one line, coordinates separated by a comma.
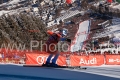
[(110, 1), (68, 1)]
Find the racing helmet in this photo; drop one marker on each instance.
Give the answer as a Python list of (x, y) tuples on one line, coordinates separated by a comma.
[(64, 32)]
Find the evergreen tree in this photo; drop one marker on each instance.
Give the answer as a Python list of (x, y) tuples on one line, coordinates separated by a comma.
[(21, 29)]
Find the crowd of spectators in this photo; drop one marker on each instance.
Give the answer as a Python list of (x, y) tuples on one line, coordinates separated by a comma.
[(17, 58), (85, 53)]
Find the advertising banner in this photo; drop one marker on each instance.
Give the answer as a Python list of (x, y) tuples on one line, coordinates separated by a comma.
[(39, 59), (112, 59), (95, 60)]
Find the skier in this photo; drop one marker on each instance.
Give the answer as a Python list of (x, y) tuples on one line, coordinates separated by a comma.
[(51, 43)]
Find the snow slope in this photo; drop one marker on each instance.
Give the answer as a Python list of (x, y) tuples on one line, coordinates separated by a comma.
[(3, 12), (114, 29), (15, 72), (105, 70), (80, 36), (14, 1), (10, 4)]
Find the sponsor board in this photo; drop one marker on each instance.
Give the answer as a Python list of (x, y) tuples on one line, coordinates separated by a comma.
[(39, 59), (87, 60), (112, 59), (91, 60)]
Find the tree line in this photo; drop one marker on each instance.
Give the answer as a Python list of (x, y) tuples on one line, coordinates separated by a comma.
[(21, 29)]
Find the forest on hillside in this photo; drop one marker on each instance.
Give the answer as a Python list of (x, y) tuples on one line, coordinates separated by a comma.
[(21, 29)]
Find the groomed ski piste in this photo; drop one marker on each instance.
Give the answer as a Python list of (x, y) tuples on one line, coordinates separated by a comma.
[(18, 72), (81, 35)]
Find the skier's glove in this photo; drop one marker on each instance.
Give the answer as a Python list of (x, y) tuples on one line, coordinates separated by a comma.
[(68, 40)]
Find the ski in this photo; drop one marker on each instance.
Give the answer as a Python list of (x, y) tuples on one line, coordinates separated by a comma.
[(68, 67)]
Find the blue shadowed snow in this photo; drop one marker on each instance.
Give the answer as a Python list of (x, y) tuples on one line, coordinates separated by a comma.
[(14, 72)]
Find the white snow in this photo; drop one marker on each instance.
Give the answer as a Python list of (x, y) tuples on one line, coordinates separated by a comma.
[(11, 2), (14, 1), (114, 29), (104, 70), (3, 12), (114, 6), (115, 21), (14, 72), (68, 14), (80, 36), (117, 7)]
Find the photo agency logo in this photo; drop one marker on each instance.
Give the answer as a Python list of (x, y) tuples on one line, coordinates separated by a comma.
[(51, 47), (61, 47), (12, 47), (112, 47), (35, 45)]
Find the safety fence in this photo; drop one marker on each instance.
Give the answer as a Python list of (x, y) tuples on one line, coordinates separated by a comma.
[(13, 56), (65, 58), (75, 60), (11, 60)]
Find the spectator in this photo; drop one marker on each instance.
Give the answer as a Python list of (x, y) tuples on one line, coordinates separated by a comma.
[(16, 56), (2, 55)]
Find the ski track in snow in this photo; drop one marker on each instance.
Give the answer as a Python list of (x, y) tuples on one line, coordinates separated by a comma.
[(104, 71), (18, 72)]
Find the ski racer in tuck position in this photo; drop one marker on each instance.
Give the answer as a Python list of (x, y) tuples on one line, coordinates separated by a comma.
[(51, 44)]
